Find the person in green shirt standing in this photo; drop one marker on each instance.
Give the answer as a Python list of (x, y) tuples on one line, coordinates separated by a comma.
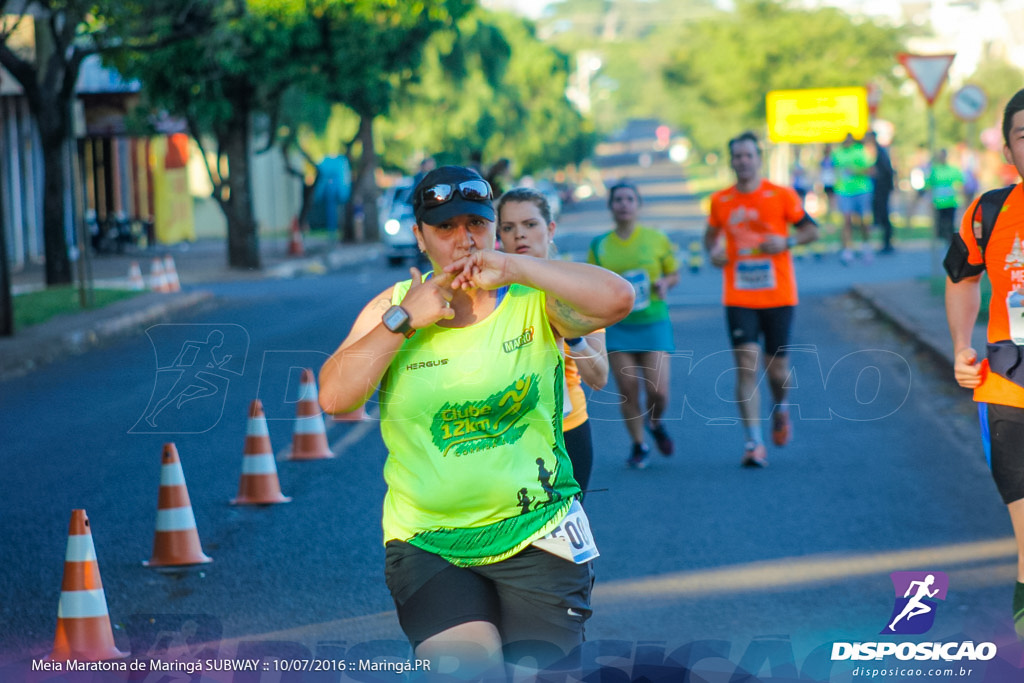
[(854, 170), (945, 182)]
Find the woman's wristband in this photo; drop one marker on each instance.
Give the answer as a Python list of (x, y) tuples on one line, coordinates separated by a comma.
[(576, 343)]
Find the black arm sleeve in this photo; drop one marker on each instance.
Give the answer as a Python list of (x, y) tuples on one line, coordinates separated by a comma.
[(956, 264)]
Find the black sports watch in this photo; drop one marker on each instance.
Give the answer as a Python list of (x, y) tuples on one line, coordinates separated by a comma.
[(396, 319)]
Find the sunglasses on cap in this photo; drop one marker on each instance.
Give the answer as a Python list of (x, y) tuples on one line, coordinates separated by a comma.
[(442, 193)]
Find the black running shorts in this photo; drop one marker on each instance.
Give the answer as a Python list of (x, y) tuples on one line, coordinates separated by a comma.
[(750, 325), (1002, 429), (538, 601)]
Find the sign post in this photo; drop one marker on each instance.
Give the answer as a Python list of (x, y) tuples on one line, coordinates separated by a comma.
[(929, 72)]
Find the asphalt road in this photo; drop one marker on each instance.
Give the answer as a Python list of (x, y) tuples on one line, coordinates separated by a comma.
[(731, 569)]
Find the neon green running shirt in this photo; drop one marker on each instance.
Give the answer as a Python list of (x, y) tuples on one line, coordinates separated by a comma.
[(472, 419), (642, 259)]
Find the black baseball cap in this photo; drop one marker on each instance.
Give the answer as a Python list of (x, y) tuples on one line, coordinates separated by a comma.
[(458, 204)]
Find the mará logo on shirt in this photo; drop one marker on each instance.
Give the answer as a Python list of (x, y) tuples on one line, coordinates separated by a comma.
[(522, 340)]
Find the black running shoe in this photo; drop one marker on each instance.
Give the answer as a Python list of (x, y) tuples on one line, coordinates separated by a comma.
[(662, 439), (638, 458)]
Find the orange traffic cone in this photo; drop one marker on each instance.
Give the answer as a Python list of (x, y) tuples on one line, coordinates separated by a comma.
[(83, 623), (176, 541), (295, 246), (171, 273), (157, 276), (259, 484), (309, 438), (135, 277)]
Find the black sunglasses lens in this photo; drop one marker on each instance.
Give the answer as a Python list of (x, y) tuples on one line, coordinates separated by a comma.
[(475, 190), (437, 194)]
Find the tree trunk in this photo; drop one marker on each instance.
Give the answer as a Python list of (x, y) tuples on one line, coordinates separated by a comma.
[(368, 189), (364, 187), (54, 127), (6, 300), (243, 237), (307, 203)]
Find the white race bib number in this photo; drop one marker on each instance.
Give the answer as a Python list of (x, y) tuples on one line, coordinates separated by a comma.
[(1015, 313), (571, 539), (641, 282), (753, 274)]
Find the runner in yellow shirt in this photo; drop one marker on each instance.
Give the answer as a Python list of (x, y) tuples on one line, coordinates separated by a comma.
[(646, 258), (481, 496)]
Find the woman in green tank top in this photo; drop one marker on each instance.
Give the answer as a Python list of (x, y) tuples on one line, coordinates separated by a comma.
[(480, 490)]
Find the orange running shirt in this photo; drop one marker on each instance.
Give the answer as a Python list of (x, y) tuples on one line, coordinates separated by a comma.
[(575, 403), (1004, 264), (752, 279)]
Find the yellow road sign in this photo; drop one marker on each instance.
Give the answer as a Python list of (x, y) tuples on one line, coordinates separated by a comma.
[(817, 114)]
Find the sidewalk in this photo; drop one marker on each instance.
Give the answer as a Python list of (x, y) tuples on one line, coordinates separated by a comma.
[(197, 263), (913, 308)]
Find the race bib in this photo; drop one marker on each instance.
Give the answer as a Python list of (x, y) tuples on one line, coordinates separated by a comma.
[(571, 539), (641, 282), (1015, 314), (753, 274)]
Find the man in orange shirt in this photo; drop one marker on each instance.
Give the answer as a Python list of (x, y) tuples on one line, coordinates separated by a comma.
[(748, 238), (997, 381)]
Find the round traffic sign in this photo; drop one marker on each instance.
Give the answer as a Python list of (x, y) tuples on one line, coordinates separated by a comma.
[(969, 102)]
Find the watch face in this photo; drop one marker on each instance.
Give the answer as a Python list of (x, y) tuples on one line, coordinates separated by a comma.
[(396, 319)]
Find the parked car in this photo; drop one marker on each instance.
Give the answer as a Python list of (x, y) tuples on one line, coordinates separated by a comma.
[(396, 211)]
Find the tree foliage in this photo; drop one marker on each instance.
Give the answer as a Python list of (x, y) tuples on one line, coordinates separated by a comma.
[(489, 87), (262, 54), (722, 68)]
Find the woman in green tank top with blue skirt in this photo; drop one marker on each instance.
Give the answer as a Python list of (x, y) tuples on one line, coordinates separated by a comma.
[(487, 550)]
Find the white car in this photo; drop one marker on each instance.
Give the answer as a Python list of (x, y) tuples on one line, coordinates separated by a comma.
[(396, 212)]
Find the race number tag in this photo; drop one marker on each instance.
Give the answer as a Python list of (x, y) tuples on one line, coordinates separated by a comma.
[(1015, 313), (754, 274), (571, 539), (641, 285)]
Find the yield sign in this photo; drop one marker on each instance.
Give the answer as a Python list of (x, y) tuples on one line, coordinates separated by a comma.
[(928, 71)]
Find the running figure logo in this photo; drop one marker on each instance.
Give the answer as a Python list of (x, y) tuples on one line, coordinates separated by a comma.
[(913, 611), (194, 364)]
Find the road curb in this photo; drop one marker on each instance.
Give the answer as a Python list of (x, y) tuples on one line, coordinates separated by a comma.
[(73, 334), (921, 337)]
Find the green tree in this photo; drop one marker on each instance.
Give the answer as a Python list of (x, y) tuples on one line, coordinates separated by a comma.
[(633, 40), (722, 68), (264, 53), (65, 33), (489, 87)]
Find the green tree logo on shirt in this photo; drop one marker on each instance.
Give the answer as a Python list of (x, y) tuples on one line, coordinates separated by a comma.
[(464, 428)]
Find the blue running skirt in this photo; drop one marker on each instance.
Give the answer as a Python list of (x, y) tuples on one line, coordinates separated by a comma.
[(656, 336)]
